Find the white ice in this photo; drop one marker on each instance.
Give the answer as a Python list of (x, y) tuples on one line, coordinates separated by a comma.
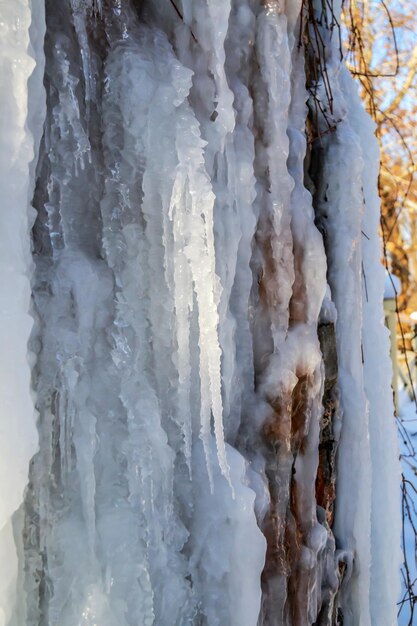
[(178, 279)]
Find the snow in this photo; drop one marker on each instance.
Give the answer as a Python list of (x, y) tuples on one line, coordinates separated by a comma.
[(178, 279), (392, 286), (407, 442)]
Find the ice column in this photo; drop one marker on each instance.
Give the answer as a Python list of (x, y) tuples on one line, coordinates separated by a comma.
[(367, 522), (21, 114)]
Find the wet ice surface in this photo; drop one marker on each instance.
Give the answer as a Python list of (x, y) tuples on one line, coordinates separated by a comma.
[(178, 279)]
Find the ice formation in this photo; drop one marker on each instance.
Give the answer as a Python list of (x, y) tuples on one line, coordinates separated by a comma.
[(215, 442)]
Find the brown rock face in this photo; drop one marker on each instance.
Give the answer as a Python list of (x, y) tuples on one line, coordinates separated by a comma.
[(326, 471), (294, 565)]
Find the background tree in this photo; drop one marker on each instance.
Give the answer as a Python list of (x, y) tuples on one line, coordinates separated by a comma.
[(382, 55)]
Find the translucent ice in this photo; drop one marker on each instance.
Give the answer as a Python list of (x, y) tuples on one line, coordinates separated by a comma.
[(203, 353)]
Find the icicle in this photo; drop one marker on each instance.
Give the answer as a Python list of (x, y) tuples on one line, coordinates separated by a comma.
[(385, 512)]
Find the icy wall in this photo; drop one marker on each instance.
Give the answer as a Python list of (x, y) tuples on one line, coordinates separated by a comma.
[(22, 103), (209, 364)]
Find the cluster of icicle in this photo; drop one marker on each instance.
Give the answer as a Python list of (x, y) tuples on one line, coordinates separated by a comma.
[(210, 380)]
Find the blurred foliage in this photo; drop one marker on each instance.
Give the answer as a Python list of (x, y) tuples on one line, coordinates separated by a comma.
[(381, 39)]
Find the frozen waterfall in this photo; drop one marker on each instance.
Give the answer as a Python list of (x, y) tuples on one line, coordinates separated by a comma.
[(196, 419)]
